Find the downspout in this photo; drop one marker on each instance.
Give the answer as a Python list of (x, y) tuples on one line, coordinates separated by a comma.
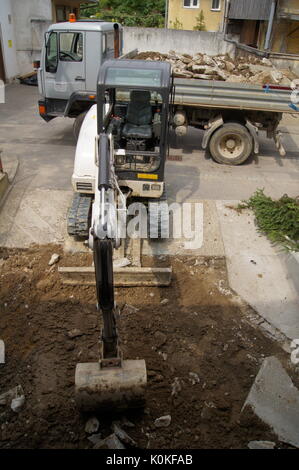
[(225, 17), (116, 41), (270, 26), (166, 14)]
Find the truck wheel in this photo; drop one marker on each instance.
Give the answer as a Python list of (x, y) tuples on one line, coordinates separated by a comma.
[(231, 144), (77, 124)]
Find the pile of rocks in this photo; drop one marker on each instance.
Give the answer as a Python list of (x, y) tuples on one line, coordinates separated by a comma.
[(223, 67)]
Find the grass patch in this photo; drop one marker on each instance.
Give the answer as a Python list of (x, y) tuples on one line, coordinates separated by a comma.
[(278, 219)]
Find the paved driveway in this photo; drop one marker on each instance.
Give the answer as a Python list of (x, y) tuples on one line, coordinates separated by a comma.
[(37, 205)]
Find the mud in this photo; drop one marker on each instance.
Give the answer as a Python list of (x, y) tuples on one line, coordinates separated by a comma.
[(202, 355)]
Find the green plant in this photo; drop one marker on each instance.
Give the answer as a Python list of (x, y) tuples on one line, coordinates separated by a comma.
[(129, 12), (278, 219), (200, 22), (177, 24)]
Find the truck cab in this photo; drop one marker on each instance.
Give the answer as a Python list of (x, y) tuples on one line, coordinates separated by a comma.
[(72, 55)]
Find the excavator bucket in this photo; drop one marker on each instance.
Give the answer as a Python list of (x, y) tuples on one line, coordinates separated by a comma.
[(117, 388)]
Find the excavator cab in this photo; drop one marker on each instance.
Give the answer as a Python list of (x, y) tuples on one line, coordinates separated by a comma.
[(134, 99)]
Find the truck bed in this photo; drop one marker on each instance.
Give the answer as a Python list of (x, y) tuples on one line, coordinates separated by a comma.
[(217, 94)]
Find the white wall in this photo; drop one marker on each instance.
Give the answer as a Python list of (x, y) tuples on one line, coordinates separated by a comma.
[(8, 39), (32, 19), (183, 42)]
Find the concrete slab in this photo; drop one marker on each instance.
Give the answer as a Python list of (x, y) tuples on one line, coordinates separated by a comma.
[(37, 216), (212, 244), (256, 272), (274, 399)]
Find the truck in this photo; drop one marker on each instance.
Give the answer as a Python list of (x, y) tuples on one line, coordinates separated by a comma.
[(230, 114)]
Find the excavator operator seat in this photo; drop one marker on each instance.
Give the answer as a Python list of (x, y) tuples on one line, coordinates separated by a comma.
[(139, 116)]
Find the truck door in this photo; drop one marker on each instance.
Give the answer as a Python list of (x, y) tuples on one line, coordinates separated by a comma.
[(65, 64)]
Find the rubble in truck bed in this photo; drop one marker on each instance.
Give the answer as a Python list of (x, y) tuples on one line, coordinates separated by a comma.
[(222, 67)]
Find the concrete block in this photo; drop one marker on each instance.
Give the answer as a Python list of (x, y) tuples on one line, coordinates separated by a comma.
[(275, 400), (261, 445)]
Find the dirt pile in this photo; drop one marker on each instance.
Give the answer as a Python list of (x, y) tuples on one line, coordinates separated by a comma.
[(202, 356), (222, 67)]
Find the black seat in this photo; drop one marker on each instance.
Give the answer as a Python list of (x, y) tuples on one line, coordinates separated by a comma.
[(139, 116)]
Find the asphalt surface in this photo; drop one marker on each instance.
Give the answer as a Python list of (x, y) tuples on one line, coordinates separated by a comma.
[(42, 191)]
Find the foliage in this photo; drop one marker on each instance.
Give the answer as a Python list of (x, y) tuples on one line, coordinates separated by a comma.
[(177, 24), (149, 13), (278, 219), (200, 22)]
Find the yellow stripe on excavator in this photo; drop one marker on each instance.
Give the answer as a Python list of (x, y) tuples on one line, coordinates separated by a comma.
[(146, 176)]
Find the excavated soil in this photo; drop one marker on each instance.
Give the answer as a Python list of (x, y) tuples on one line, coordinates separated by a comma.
[(202, 355)]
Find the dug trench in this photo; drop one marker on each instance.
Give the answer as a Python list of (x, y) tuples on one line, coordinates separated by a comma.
[(202, 355)]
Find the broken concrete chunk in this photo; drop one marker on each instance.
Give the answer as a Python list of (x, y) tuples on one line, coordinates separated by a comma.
[(230, 67), (194, 378), (74, 333), (163, 422), (2, 352), (176, 387), (276, 75), (7, 397), (95, 439), (111, 442), (160, 338), (54, 259), (92, 426), (275, 400), (17, 403), (121, 263), (267, 62), (123, 436), (261, 445), (129, 309)]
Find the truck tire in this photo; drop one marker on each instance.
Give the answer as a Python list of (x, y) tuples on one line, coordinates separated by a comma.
[(231, 144), (78, 123)]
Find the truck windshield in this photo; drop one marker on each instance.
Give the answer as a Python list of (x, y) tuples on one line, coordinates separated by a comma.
[(136, 77), (71, 47)]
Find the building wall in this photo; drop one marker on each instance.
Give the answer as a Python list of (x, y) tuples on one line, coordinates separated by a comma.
[(163, 40), (187, 16), (32, 18), (8, 41)]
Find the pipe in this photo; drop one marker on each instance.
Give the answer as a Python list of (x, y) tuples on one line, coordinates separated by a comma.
[(270, 25), (166, 14), (116, 41)]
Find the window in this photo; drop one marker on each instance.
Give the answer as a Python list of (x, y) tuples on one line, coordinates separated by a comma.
[(52, 53), (63, 12), (216, 5), (138, 77), (71, 47), (108, 43), (191, 3)]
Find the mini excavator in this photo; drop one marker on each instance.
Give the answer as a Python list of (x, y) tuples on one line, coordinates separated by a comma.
[(120, 157)]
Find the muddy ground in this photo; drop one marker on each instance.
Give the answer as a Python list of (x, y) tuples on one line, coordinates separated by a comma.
[(202, 330)]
